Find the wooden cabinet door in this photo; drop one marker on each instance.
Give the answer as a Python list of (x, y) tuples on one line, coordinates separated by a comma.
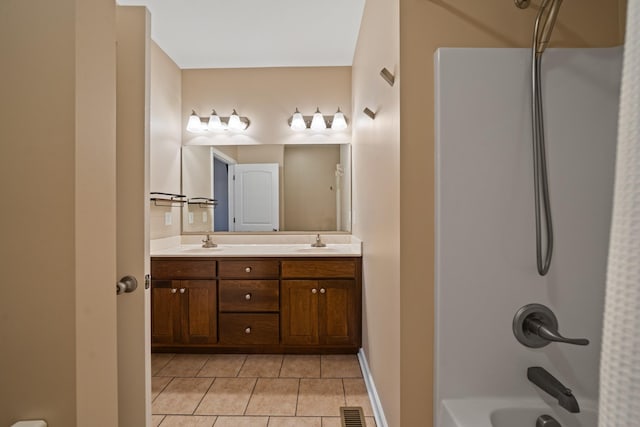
[(199, 311), (165, 312), (337, 313), (299, 312)]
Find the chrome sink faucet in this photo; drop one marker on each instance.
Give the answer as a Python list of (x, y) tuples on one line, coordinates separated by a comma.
[(547, 382), (208, 243), (318, 243)]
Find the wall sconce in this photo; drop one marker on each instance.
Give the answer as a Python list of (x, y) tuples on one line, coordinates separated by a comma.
[(318, 121), (216, 123)]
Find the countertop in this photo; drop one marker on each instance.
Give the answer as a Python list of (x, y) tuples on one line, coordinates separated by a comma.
[(261, 250)]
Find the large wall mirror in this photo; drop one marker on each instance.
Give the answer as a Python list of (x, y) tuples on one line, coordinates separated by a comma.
[(267, 188)]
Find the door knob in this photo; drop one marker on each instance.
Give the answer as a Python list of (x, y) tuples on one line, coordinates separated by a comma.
[(127, 285), (173, 291), (314, 291), (247, 297), (182, 290), (323, 290)]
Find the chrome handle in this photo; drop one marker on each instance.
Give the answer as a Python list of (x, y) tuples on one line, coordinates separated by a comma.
[(173, 291), (314, 291), (323, 290), (247, 269), (247, 330), (126, 285), (182, 290), (535, 326), (247, 297)]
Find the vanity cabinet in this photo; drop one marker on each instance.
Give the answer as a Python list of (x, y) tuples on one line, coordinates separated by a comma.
[(256, 305), (320, 303), (183, 303), (249, 302)]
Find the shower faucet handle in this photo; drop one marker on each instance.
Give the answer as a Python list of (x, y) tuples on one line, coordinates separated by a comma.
[(548, 332), (535, 326)]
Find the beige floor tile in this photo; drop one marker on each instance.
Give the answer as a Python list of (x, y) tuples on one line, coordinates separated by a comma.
[(227, 396), (331, 422), (156, 420), (355, 392), (371, 422), (320, 397), (184, 365), (187, 421), (159, 361), (300, 366), (295, 422), (261, 365), (241, 422), (158, 384), (340, 366), (274, 396), (222, 365), (181, 396)]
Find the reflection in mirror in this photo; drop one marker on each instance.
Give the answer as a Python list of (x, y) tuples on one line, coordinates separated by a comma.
[(268, 187)]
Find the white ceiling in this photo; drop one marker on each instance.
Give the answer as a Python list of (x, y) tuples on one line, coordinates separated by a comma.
[(255, 33)]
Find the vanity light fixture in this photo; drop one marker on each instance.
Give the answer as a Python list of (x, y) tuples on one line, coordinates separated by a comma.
[(339, 122), (318, 122), (214, 122), (297, 121)]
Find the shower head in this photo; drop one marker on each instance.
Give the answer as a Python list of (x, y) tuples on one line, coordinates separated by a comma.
[(547, 16)]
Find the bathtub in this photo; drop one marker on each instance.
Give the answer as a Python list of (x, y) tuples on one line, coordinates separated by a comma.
[(511, 412)]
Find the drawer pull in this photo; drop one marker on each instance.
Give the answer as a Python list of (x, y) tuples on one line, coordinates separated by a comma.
[(247, 269), (247, 297), (173, 291), (314, 291), (247, 330), (182, 290), (323, 290)]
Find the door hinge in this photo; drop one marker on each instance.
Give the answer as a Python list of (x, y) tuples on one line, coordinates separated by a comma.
[(147, 281), (234, 219), (234, 177)]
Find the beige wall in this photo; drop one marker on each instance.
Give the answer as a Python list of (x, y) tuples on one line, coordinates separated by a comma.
[(268, 96), (424, 26), (376, 197), (166, 139), (58, 178)]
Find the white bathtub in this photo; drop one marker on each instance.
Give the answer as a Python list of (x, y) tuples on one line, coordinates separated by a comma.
[(511, 412)]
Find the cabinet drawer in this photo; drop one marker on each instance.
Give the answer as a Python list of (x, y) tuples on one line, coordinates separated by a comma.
[(249, 295), (239, 329), (318, 269), (183, 269), (262, 269)]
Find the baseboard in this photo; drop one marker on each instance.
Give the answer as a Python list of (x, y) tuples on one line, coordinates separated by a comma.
[(378, 412)]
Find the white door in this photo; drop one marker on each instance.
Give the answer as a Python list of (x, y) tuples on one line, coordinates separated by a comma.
[(255, 197), (132, 176)]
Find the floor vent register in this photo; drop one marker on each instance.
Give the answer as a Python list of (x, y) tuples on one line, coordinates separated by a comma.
[(352, 416)]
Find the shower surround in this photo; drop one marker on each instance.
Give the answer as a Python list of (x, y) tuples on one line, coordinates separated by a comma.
[(485, 230)]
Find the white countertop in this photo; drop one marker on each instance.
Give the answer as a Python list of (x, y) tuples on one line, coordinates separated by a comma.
[(262, 250)]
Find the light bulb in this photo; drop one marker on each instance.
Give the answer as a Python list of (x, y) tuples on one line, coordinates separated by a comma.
[(339, 122), (297, 121), (194, 124), (318, 123), (235, 123), (214, 121)]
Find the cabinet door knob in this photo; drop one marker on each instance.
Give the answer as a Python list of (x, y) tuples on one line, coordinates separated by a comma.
[(247, 269), (247, 297), (323, 290), (173, 291), (314, 291), (247, 330), (182, 290)]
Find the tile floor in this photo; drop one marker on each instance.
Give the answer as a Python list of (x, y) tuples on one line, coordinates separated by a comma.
[(228, 390)]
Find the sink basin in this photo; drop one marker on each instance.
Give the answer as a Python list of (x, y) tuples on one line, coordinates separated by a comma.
[(316, 250), (200, 250)]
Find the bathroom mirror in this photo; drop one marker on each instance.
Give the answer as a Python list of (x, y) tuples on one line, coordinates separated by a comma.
[(266, 188)]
